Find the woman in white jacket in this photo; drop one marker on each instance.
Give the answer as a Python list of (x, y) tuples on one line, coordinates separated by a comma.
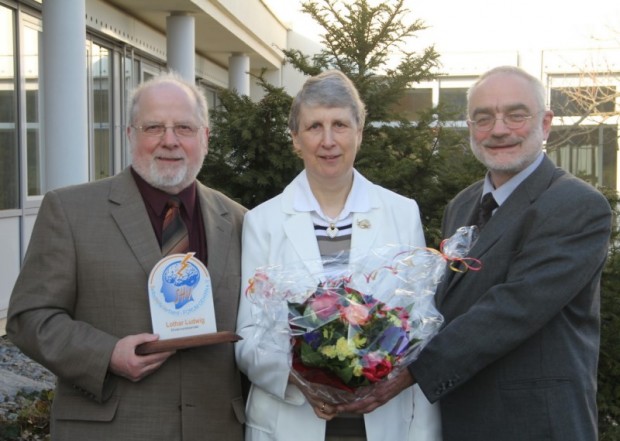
[(328, 208)]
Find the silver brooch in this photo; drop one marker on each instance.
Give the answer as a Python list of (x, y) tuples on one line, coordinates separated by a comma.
[(363, 224)]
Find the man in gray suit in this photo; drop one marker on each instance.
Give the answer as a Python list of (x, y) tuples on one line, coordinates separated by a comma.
[(80, 305), (517, 357)]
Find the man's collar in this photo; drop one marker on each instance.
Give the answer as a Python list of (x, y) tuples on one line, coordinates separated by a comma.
[(501, 193), (158, 199)]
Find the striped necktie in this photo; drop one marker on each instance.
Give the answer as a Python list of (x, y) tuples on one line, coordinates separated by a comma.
[(174, 237), (487, 205)]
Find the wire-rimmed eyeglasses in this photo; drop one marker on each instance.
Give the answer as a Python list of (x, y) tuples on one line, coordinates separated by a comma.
[(158, 130), (513, 121)]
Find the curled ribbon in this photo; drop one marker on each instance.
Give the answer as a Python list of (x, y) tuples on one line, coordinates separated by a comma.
[(468, 263), (260, 277), (250, 289)]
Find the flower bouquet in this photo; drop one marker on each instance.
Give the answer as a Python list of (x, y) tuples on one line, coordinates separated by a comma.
[(353, 324)]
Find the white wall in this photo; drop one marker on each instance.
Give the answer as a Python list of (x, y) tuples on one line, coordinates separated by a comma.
[(292, 78)]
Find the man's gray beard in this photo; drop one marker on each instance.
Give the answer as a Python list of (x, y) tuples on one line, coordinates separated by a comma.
[(165, 183), (515, 168)]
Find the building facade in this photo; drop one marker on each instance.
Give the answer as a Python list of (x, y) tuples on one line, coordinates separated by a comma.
[(583, 90), (66, 68)]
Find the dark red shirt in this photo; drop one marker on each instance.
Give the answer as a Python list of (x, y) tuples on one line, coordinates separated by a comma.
[(155, 201)]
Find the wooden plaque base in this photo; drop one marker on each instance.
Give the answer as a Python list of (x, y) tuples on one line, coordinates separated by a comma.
[(173, 344)]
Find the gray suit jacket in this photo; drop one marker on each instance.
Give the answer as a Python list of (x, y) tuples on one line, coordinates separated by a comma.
[(83, 286), (517, 357)]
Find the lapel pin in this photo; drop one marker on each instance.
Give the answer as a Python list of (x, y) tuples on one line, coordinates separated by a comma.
[(363, 224)]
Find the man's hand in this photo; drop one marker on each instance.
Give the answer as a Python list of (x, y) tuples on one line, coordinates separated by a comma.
[(127, 364), (378, 394)]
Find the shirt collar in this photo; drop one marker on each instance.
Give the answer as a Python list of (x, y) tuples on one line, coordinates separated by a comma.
[(358, 200), (158, 199), (504, 191)]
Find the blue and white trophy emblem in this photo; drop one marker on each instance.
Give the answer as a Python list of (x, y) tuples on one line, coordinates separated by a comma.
[(181, 297)]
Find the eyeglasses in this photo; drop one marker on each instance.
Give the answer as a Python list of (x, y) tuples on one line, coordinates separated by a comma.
[(512, 121), (158, 130)]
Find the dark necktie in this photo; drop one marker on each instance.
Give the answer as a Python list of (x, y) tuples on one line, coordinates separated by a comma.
[(485, 211), (174, 237)]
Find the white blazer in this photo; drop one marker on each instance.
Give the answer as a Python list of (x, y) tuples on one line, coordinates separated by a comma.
[(275, 233)]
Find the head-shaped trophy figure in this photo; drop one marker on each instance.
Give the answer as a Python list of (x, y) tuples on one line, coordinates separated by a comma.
[(178, 282)]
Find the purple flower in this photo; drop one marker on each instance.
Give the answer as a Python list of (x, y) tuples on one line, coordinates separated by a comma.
[(313, 338), (394, 340)]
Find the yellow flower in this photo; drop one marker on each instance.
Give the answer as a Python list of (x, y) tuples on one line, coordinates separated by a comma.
[(329, 351), (327, 332), (343, 348), (359, 340), (358, 370)]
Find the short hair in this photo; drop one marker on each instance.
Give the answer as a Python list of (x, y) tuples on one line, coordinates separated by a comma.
[(330, 88), (537, 86), (202, 108)]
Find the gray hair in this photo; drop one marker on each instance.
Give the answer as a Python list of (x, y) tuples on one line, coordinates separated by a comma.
[(330, 89), (537, 86), (202, 109)]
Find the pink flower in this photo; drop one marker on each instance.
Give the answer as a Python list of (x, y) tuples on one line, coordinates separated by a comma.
[(355, 314), (325, 305), (404, 317)]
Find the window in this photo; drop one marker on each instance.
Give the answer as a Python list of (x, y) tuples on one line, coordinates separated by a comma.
[(414, 102), (579, 101), (113, 72), (100, 79), (34, 145), (213, 100), (454, 100), (587, 152), (9, 172)]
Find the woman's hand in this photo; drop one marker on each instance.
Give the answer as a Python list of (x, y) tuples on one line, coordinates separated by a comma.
[(323, 408)]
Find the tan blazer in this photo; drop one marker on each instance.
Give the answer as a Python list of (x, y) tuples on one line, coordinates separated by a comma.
[(83, 286)]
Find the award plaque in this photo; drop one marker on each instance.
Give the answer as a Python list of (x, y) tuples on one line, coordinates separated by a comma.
[(182, 310)]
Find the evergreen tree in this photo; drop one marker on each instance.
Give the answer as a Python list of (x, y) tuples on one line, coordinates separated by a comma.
[(361, 41), (426, 159), (251, 156)]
